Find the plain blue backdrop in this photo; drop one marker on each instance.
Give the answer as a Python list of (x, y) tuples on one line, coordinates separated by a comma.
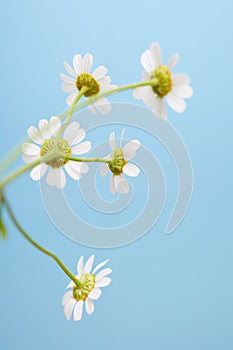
[(168, 292)]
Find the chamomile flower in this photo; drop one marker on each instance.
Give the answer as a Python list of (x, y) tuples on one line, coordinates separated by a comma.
[(172, 87), (97, 82), (46, 142), (119, 165), (88, 291)]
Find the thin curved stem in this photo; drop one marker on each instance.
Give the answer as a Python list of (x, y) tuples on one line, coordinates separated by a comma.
[(38, 246)]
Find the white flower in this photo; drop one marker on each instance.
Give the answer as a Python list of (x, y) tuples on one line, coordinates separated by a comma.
[(88, 291), (119, 164), (71, 143), (97, 82), (174, 87)]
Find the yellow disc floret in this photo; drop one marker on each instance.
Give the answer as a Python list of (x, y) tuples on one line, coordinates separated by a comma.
[(117, 163), (163, 84), (87, 284), (54, 145), (87, 80)]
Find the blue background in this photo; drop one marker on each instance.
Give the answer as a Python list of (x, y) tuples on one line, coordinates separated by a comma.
[(168, 292)]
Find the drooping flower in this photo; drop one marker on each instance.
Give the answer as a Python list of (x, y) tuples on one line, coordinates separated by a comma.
[(119, 165), (97, 82), (89, 290), (46, 142), (172, 87)]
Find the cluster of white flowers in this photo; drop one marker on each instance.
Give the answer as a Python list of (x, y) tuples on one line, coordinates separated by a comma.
[(56, 146)]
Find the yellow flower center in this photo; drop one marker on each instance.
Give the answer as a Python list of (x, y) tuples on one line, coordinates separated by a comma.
[(117, 163), (164, 84), (54, 145), (88, 283), (87, 80)]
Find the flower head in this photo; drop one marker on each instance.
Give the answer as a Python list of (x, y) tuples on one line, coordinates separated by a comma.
[(174, 87), (46, 142), (119, 164), (88, 290), (97, 82)]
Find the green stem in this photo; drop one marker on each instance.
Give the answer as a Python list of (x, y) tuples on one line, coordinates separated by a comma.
[(36, 245), (24, 169), (88, 160), (71, 110)]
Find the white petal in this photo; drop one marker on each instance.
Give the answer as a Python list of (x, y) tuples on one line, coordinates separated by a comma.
[(70, 99), (112, 185), (184, 91), (112, 141), (35, 135), (38, 171), (130, 149), (67, 79), (78, 311), (92, 107), (103, 106), (29, 159), (95, 294), (104, 83), (30, 149), (100, 265), (66, 297), (69, 69), (103, 273), (131, 169), (180, 79), (78, 64), (176, 102), (69, 308), (80, 266), (156, 54), (173, 62), (121, 184), (70, 285), (52, 177), (159, 108), (61, 180), (55, 125), (145, 76), (71, 133), (89, 264), (100, 72), (81, 148), (73, 173), (149, 97), (56, 177), (79, 166), (147, 61), (69, 87), (87, 62), (107, 87), (103, 282), (89, 304), (104, 170), (121, 139), (140, 92), (44, 129)]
